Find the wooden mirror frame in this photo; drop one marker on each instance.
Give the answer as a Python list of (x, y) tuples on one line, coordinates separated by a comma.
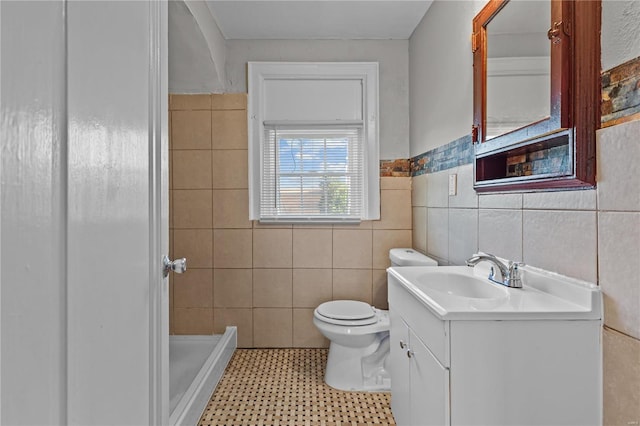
[(575, 102)]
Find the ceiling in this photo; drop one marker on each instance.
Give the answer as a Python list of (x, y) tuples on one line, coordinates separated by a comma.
[(318, 19)]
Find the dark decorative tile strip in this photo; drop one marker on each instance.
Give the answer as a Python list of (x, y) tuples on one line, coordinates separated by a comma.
[(395, 168), (621, 92), (454, 154), (544, 161)]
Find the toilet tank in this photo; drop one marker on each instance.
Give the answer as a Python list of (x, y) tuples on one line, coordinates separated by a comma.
[(409, 257)]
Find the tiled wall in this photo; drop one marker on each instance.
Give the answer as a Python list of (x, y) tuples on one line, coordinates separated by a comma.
[(593, 235), (264, 279)]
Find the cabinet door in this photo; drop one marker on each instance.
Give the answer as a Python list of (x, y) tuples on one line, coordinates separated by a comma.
[(400, 375), (429, 387)]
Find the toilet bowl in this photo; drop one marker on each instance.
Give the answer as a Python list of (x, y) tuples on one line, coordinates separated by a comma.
[(359, 336)]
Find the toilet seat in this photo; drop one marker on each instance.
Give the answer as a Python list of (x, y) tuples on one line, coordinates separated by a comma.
[(347, 312)]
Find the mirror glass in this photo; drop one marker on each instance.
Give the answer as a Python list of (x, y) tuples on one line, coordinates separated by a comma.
[(518, 66)]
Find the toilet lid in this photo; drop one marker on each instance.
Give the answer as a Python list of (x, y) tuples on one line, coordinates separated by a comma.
[(349, 310)]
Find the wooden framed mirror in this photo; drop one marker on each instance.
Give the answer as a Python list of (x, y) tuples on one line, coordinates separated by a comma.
[(536, 76)]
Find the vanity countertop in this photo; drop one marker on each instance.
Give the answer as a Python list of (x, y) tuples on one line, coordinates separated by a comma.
[(459, 293)]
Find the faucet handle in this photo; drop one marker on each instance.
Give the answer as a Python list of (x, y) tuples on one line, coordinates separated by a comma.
[(515, 266), (515, 280)]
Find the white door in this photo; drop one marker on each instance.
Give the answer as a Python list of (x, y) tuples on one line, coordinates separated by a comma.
[(83, 213)]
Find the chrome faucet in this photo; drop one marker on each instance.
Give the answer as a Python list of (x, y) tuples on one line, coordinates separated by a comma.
[(510, 273)]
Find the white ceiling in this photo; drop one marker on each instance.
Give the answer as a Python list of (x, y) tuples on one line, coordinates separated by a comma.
[(318, 19)]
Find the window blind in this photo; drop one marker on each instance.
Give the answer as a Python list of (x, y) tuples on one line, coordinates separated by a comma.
[(312, 173)]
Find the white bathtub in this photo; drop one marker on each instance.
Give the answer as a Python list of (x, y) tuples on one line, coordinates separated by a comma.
[(196, 364)]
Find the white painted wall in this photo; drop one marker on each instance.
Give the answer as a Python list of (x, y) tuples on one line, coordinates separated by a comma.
[(620, 32), (441, 75), (393, 59), (212, 35), (191, 65)]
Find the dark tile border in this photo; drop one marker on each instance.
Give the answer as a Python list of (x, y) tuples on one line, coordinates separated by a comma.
[(454, 154), (395, 168), (621, 93)]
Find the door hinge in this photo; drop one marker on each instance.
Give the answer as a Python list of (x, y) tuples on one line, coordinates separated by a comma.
[(475, 42), (474, 134)]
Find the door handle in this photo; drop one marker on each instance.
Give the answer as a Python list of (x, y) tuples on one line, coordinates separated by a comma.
[(178, 266)]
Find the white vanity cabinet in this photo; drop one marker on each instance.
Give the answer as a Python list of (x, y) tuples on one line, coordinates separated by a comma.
[(462, 371), (420, 383)]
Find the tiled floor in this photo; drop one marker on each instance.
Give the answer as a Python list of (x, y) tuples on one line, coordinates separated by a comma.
[(285, 387)]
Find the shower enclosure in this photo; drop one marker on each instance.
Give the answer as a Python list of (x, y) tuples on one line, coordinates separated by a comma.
[(196, 364)]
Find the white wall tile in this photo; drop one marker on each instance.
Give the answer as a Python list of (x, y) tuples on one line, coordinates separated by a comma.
[(419, 191), (438, 189), (463, 235), (438, 232), (466, 196), (618, 175), (500, 201), (500, 233), (419, 229), (562, 242), (618, 257), (561, 200)]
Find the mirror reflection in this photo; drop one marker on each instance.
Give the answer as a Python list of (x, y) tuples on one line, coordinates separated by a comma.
[(518, 66)]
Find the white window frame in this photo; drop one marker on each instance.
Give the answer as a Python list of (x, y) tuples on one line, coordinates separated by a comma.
[(366, 72)]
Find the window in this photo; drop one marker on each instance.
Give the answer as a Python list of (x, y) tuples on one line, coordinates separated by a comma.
[(313, 173), (313, 142)]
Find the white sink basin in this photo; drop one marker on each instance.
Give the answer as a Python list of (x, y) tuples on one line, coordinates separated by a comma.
[(460, 285), (461, 292)]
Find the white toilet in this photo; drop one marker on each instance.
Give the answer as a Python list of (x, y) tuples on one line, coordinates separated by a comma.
[(359, 335)]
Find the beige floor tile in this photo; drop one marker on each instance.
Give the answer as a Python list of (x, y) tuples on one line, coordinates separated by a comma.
[(286, 387)]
